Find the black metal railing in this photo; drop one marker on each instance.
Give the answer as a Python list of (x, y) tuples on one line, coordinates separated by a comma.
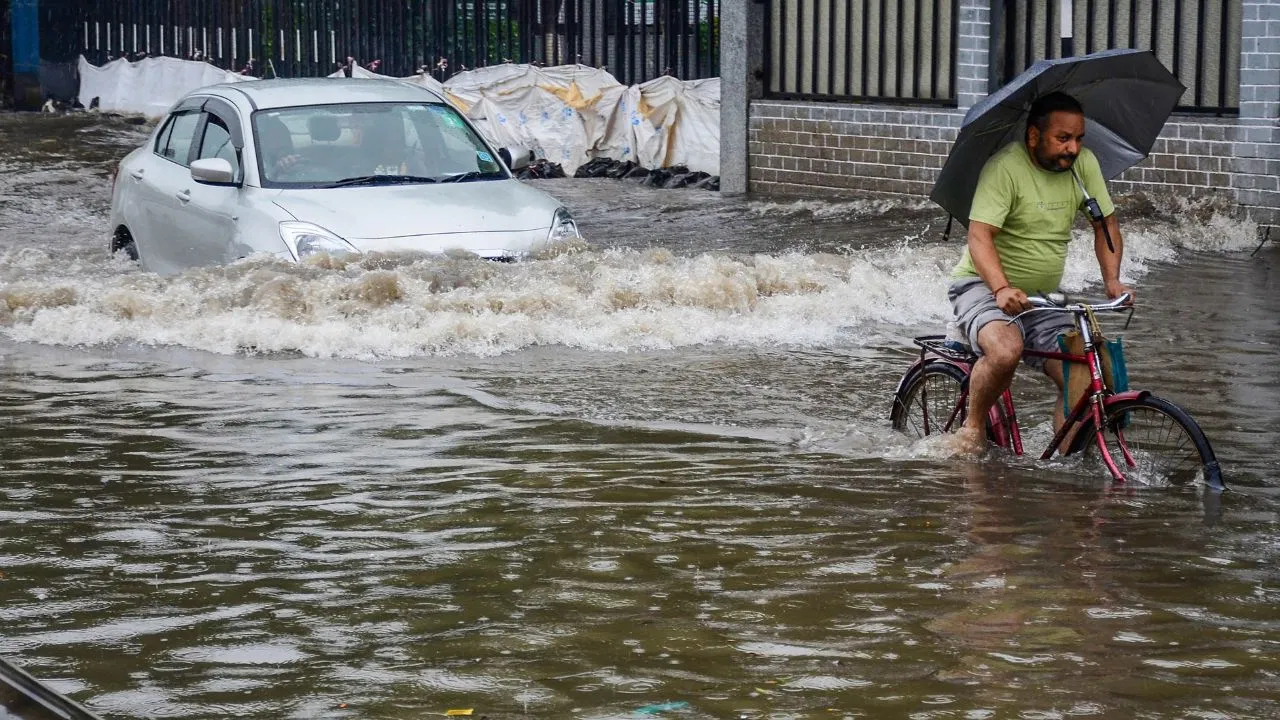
[(1198, 40), (636, 40), (862, 50)]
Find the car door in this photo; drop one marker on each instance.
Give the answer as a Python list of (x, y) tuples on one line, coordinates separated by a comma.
[(162, 240), (210, 212), (140, 203)]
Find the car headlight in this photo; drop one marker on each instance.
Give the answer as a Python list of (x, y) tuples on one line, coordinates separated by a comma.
[(563, 227), (305, 239)]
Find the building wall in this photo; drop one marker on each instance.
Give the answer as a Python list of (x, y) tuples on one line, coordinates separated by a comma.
[(832, 150), (839, 149)]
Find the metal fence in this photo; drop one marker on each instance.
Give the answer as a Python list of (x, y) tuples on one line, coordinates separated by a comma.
[(901, 51), (636, 40), (1199, 40)]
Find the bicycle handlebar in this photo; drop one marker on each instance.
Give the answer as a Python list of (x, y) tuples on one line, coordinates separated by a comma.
[(1119, 304)]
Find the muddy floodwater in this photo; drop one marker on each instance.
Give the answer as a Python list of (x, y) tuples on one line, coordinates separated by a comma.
[(648, 476)]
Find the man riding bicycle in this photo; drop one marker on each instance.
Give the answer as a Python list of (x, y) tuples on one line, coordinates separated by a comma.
[(1019, 226)]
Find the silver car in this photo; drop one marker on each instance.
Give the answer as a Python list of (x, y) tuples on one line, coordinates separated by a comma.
[(325, 165)]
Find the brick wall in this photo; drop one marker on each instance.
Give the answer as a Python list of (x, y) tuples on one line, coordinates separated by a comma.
[(832, 149), (973, 52), (1192, 157), (817, 149), (1256, 168)]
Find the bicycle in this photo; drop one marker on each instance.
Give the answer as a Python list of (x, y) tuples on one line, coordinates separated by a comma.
[(1154, 438)]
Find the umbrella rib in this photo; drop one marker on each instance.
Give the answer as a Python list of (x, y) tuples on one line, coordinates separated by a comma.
[(993, 130)]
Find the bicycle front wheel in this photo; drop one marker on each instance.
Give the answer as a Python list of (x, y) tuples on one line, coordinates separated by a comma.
[(1153, 442)]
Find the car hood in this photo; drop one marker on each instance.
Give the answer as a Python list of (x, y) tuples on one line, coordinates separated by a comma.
[(393, 211)]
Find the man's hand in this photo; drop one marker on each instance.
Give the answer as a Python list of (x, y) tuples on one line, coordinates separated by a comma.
[(1012, 300), (286, 162), (1115, 289)]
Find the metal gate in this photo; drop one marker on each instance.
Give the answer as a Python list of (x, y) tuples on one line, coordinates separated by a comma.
[(1198, 40), (899, 51), (636, 40)]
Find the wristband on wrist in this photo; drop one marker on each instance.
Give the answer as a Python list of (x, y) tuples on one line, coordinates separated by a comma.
[(996, 293)]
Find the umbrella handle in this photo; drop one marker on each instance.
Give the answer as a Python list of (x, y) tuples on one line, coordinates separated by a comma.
[(1095, 212)]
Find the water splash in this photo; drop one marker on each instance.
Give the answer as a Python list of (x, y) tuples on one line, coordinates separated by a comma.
[(399, 305)]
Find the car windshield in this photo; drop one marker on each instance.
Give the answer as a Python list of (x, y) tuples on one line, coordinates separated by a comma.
[(369, 144)]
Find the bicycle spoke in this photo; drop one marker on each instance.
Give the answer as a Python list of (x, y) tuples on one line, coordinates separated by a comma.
[(1162, 449), (932, 405), (924, 406)]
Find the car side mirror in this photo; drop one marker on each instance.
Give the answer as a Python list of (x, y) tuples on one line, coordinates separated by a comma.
[(213, 171), (516, 158)]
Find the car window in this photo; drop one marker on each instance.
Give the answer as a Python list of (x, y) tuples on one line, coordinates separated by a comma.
[(316, 146), (162, 139), (175, 141), (448, 139), (217, 143)]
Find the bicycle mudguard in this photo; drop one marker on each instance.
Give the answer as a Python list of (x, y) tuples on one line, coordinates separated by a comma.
[(907, 378), (1127, 395), (1213, 476)]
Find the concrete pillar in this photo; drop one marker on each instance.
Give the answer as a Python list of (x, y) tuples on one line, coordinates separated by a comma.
[(25, 27), (1256, 168), (741, 81)]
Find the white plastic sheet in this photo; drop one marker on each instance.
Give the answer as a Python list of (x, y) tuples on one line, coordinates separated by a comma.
[(568, 114), (148, 87), (573, 113), (561, 113), (666, 122)]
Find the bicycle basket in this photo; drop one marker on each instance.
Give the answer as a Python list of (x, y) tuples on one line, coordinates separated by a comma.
[(1115, 373)]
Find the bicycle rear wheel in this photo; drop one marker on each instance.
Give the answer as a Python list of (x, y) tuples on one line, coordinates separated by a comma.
[(1153, 442), (932, 404)]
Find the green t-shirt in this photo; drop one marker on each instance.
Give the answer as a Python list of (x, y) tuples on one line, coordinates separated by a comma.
[(1034, 209)]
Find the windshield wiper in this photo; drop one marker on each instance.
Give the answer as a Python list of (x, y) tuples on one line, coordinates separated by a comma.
[(381, 180), (473, 175)]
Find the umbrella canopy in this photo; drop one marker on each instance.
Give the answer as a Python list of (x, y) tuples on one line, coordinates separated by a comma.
[(1127, 96)]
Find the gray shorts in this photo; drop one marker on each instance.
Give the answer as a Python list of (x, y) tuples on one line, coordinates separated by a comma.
[(975, 306)]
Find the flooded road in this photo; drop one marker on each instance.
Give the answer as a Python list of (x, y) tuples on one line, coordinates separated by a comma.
[(648, 477)]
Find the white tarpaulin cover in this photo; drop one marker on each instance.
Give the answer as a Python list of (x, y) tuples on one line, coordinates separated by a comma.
[(666, 122), (148, 87), (567, 114), (561, 113)]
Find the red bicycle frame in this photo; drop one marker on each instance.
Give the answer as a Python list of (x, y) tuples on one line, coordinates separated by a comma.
[(1093, 402), (1092, 405)]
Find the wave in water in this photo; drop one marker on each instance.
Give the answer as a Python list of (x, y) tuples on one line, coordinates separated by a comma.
[(381, 306)]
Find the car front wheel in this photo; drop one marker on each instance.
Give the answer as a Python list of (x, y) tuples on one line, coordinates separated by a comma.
[(123, 241)]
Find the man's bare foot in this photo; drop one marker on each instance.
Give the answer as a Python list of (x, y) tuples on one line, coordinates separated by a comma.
[(968, 441)]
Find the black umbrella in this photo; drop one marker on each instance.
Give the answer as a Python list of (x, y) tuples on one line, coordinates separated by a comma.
[(1127, 95)]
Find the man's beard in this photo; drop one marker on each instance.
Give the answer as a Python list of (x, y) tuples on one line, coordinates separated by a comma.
[(1051, 162)]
